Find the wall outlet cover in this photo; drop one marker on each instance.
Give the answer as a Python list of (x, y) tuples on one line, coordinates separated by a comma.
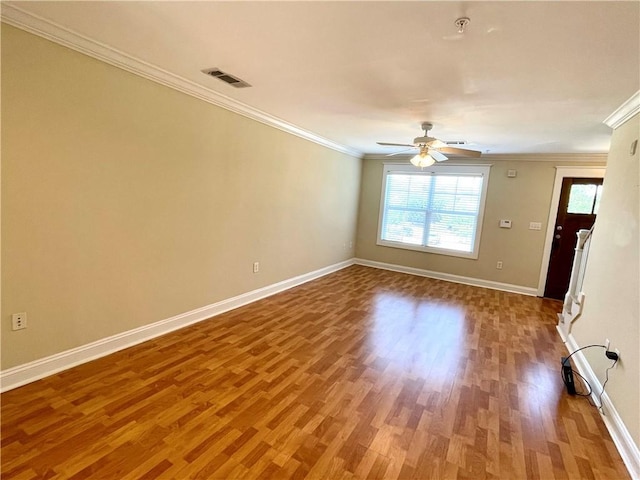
[(535, 226), (19, 321)]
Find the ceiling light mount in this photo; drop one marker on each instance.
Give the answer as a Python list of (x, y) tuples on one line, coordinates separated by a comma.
[(462, 23)]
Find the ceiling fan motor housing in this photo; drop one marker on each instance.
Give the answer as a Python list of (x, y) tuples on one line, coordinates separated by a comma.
[(423, 140), (432, 146)]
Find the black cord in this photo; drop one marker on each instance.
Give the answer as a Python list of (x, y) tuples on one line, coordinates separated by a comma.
[(576, 351), (606, 379), (585, 381), (587, 396), (565, 363)]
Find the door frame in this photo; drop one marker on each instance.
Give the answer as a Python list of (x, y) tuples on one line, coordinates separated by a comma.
[(561, 174)]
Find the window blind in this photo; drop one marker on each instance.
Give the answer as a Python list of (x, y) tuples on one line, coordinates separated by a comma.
[(434, 210)]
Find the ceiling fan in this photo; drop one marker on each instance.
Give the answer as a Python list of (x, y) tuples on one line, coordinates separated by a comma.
[(431, 149)]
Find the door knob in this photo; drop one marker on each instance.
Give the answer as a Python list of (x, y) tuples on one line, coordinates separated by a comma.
[(558, 236), (559, 227)]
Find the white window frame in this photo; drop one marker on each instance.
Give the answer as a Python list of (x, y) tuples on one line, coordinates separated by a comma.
[(460, 169)]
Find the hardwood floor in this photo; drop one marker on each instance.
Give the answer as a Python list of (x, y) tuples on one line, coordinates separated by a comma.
[(360, 374)]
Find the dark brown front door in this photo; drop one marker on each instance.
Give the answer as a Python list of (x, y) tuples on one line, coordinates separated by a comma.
[(579, 200)]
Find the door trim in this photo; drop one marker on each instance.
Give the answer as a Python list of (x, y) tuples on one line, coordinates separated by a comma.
[(561, 174)]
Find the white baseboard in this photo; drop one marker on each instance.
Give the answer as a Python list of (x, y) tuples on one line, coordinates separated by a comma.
[(32, 371), (476, 282), (627, 448)]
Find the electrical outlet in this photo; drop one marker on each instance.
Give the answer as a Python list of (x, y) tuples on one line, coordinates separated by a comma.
[(256, 267), (606, 344), (19, 321), (499, 265)]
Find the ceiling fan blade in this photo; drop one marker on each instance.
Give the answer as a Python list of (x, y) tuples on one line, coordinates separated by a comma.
[(460, 151), (401, 152), (437, 156), (437, 144), (385, 144)]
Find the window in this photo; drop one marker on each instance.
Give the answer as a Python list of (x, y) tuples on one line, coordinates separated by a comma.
[(584, 198), (437, 209)]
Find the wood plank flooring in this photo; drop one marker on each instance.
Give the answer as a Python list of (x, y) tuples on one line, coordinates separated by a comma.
[(363, 373)]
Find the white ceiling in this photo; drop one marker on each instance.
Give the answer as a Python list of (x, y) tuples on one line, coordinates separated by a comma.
[(525, 77)]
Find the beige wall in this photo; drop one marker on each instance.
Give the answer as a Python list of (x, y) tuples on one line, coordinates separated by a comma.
[(125, 202), (523, 199), (612, 283)]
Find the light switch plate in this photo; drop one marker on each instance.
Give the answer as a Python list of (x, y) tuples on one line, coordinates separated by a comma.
[(535, 226)]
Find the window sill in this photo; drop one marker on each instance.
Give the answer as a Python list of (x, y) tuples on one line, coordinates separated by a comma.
[(433, 250)]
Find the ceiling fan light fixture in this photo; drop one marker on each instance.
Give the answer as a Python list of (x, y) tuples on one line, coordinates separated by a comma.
[(422, 160)]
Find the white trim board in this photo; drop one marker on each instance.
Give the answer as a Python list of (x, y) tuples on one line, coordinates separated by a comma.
[(29, 22), (621, 437), (449, 277), (508, 157), (561, 173), (32, 371), (624, 112)]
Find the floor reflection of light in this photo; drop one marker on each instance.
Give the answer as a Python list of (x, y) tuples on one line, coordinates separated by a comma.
[(540, 389), (417, 336)]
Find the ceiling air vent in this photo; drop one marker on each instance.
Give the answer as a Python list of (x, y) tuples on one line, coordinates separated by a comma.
[(226, 77)]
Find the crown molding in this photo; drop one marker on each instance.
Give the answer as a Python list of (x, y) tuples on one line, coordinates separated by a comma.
[(515, 157), (624, 112), (54, 32)]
